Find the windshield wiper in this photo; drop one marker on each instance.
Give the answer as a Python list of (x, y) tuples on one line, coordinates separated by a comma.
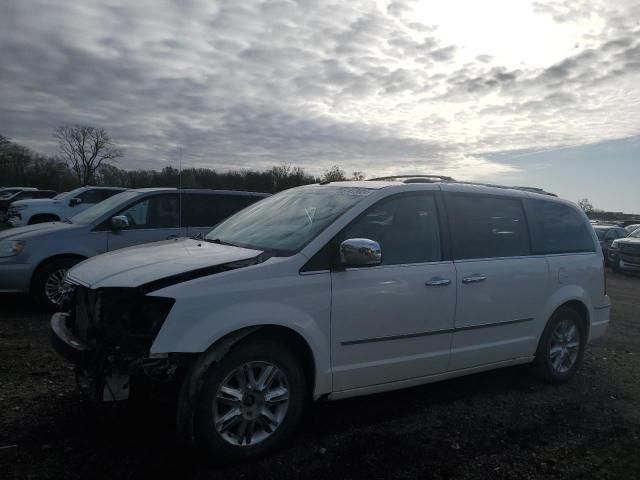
[(219, 242)]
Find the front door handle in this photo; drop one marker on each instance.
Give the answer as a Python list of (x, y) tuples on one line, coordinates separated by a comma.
[(437, 281), (474, 278), (171, 237)]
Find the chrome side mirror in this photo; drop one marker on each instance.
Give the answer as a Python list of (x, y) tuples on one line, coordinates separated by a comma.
[(119, 221), (360, 252)]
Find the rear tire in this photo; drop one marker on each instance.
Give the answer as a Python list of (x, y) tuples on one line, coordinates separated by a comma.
[(561, 347), (238, 419), (47, 282)]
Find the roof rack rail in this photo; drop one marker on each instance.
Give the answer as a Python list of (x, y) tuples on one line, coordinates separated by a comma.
[(512, 187), (444, 178), (415, 178)]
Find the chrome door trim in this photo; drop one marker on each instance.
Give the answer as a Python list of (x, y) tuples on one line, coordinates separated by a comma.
[(435, 332)]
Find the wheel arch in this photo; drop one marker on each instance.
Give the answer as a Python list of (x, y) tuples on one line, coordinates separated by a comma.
[(192, 383), (576, 304), (47, 260), (581, 309), (45, 216)]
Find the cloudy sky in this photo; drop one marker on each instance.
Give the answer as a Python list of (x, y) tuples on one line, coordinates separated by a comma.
[(541, 93)]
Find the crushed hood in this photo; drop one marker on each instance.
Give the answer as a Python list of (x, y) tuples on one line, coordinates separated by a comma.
[(156, 264)]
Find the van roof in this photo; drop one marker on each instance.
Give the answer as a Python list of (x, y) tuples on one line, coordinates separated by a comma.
[(200, 190), (395, 180)]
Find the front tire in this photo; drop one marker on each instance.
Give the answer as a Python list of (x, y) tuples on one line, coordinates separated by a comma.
[(250, 402), (48, 282), (561, 347)]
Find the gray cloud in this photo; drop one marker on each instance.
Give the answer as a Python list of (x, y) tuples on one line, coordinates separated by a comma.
[(240, 84)]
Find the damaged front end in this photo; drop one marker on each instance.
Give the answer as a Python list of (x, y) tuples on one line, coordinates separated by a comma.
[(107, 333)]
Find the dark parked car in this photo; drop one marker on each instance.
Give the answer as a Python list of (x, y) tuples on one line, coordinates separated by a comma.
[(6, 198), (606, 235), (624, 253)]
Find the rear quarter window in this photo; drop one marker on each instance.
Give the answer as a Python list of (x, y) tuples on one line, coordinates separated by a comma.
[(557, 228)]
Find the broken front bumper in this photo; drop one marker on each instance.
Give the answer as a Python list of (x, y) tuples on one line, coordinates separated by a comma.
[(65, 342)]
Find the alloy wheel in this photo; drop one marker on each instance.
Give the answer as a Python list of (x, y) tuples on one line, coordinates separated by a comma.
[(251, 403), (54, 286), (565, 346)]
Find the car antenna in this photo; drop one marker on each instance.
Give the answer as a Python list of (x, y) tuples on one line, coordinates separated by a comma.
[(180, 192)]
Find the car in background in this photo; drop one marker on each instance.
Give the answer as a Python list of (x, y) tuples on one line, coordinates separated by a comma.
[(11, 190), (624, 253), (60, 207), (632, 227), (8, 198), (36, 258), (606, 235)]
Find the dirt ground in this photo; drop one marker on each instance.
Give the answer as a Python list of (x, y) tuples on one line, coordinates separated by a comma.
[(501, 424)]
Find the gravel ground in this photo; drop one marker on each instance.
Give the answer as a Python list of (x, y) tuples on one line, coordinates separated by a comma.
[(501, 424)]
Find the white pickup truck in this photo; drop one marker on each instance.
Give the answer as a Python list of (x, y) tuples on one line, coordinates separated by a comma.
[(64, 205)]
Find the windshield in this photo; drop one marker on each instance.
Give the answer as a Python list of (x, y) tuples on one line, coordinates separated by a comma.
[(71, 194), (286, 222), (635, 233), (93, 213), (600, 232)]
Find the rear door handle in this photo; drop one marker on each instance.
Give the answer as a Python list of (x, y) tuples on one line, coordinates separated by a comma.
[(437, 281), (171, 237), (474, 278)]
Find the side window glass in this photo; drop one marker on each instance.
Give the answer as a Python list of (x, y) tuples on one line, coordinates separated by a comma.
[(558, 228), (207, 210), (160, 211), (199, 210), (487, 227), (104, 194), (230, 204), (250, 199), (406, 228), (90, 196)]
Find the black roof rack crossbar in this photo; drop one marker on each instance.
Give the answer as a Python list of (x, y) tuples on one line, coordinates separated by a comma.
[(512, 187), (400, 177), (444, 178)]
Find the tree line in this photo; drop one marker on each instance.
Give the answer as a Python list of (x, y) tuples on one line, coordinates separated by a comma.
[(87, 155)]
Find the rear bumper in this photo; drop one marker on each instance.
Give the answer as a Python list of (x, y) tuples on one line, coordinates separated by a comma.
[(65, 342), (600, 321)]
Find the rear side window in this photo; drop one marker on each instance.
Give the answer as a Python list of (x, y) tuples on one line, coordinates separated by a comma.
[(557, 228), (104, 194), (202, 210), (487, 227)]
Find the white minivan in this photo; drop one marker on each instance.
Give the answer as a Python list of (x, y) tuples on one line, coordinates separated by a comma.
[(335, 290)]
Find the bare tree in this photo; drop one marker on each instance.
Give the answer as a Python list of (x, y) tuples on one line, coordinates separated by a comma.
[(334, 174), (586, 205), (85, 148), (4, 142), (358, 176)]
